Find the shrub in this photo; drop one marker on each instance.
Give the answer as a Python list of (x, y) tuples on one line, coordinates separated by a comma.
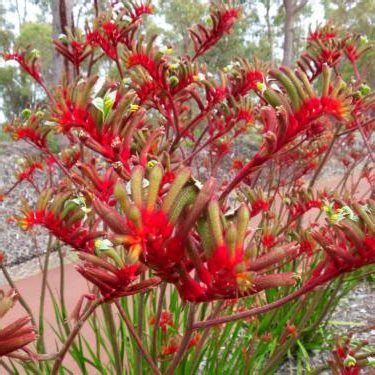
[(184, 247)]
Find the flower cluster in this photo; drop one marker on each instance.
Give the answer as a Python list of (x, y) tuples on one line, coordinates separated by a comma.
[(64, 216), (327, 45), (18, 334), (28, 60), (220, 23), (142, 189), (348, 240)]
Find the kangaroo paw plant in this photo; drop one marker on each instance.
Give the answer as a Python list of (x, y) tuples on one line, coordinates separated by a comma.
[(200, 253)]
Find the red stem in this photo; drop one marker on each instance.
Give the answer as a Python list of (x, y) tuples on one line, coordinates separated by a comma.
[(257, 310), (244, 172)]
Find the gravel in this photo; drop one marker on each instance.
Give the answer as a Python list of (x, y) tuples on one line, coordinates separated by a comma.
[(17, 245)]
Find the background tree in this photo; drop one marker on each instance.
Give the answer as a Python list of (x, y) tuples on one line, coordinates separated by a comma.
[(357, 16), (247, 39), (292, 9)]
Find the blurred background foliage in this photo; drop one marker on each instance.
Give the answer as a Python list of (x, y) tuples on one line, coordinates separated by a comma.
[(261, 33)]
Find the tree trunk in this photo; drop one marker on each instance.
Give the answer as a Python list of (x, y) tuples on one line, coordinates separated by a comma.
[(292, 8), (288, 32), (269, 28), (62, 18)]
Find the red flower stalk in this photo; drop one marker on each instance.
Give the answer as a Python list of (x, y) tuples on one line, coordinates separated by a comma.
[(346, 358), (228, 273), (355, 47), (222, 19), (137, 10), (147, 90), (139, 55), (30, 130), (304, 201), (173, 344), (106, 124), (149, 231), (108, 34), (68, 116), (322, 34), (70, 156), (246, 77), (257, 201), (16, 336), (282, 125), (100, 186), (113, 281), (268, 240), (73, 50), (64, 217), (28, 61), (350, 250), (28, 169)]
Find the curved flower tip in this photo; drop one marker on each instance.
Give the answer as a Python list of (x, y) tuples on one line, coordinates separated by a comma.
[(16, 336)]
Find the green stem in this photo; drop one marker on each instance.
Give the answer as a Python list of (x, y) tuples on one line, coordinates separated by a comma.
[(137, 339), (111, 326), (62, 290), (68, 343), (184, 343), (157, 320), (141, 307), (40, 345)]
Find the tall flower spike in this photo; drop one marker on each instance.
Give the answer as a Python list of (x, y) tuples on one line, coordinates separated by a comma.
[(152, 215), (64, 216), (221, 21), (293, 110), (73, 47), (245, 77), (106, 123), (100, 185), (114, 281), (348, 240), (28, 167), (146, 56), (28, 61), (324, 46), (31, 129), (356, 47), (110, 31), (228, 272), (136, 9)]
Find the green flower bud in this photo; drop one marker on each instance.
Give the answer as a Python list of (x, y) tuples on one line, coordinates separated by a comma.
[(26, 113), (35, 53), (261, 86), (350, 361), (173, 81), (364, 89), (363, 40)]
